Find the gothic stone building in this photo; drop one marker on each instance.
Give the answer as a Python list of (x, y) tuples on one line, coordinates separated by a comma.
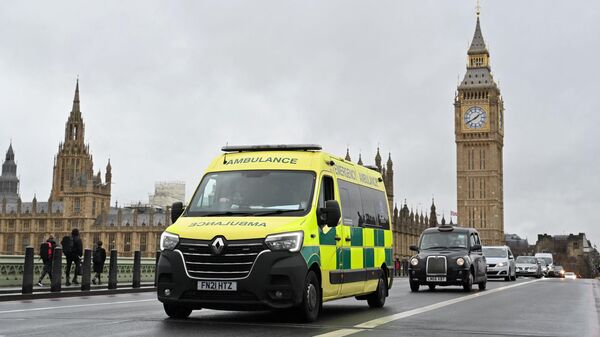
[(479, 134), (574, 252), (78, 199)]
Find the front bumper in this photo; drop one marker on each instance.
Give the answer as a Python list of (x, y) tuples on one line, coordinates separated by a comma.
[(498, 271), (454, 276), (272, 272), (527, 272)]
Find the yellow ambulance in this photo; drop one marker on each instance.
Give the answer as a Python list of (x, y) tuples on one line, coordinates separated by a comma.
[(277, 227)]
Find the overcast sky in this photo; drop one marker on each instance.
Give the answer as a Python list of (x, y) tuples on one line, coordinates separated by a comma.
[(165, 84)]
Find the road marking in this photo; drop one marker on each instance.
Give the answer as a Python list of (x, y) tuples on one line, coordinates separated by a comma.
[(75, 306), (386, 319)]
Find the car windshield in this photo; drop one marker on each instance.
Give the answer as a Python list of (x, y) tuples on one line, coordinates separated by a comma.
[(253, 193), (441, 240), (546, 260), (495, 252), (526, 259)]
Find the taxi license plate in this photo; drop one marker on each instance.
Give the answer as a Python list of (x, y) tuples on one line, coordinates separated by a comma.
[(217, 285), (436, 278)]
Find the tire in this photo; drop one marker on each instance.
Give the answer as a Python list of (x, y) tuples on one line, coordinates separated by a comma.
[(432, 287), (177, 311), (312, 301), (507, 278), (414, 287), (482, 285), (468, 285), (377, 298)]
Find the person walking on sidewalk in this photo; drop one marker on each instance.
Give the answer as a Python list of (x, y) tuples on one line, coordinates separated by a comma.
[(73, 250), (99, 258), (46, 254), (397, 267)]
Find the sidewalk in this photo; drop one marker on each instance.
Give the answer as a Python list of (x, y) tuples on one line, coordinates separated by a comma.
[(14, 293)]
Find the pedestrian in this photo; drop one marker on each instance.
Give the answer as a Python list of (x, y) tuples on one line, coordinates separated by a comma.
[(46, 254), (397, 267), (73, 250), (99, 258)]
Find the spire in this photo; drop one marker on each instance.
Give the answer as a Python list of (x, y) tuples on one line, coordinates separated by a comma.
[(10, 154), (390, 164), (348, 154), (360, 162), (76, 98), (378, 159), (478, 44)]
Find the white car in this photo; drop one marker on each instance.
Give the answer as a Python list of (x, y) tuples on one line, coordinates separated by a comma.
[(570, 275), (500, 262), (528, 266)]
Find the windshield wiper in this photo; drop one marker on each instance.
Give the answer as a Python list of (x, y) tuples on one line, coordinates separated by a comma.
[(278, 211), (436, 247), (463, 247), (227, 213)]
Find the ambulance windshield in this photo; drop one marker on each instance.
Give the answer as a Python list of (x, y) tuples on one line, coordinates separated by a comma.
[(253, 193)]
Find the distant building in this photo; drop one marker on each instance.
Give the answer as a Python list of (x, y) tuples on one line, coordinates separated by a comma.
[(79, 199), (574, 252), (166, 193), (518, 245)]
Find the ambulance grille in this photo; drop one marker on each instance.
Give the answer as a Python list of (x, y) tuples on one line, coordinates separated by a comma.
[(436, 265), (235, 261)]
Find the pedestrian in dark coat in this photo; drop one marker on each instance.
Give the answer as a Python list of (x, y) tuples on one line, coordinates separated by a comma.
[(73, 250), (46, 254), (98, 260)]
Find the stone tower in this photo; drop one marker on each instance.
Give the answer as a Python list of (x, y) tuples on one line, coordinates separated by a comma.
[(9, 182), (74, 182), (479, 134)]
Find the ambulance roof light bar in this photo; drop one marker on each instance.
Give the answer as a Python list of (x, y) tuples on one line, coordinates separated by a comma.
[(275, 147)]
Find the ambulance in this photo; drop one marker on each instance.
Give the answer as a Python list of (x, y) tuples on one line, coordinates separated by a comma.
[(278, 227)]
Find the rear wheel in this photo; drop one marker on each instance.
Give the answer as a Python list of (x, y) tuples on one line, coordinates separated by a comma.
[(377, 298), (311, 304), (468, 285), (482, 285), (178, 311)]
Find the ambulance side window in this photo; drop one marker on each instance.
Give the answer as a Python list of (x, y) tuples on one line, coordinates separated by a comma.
[(351, 203), (326, 191)]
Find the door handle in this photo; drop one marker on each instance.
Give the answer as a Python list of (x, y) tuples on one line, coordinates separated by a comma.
[(348, 239), (337, 238)]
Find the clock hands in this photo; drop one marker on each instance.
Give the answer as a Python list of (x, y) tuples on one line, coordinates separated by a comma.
[(474, 118)]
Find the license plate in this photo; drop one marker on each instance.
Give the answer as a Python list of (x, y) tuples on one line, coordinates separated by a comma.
[(217, 285), (436, 278)]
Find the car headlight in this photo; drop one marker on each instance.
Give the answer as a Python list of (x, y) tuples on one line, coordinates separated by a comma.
[(460, 261), (501, 264), (414, 261), (168, 241), (288, 241)]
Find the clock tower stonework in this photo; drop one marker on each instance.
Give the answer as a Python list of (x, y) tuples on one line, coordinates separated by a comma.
[(479, 134)]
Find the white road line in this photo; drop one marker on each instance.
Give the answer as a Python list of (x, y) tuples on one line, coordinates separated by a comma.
[(75, 306), (386, 319)]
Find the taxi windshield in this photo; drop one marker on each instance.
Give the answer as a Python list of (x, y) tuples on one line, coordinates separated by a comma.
[(443, 240), (253, 193)]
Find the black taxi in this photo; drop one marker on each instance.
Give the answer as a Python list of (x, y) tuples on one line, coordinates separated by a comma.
[(448, 256)]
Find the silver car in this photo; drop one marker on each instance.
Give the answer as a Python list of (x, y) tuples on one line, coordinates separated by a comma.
[(528, 266)]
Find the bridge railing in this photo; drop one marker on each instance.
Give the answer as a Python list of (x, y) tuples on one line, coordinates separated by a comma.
[(23, 270)]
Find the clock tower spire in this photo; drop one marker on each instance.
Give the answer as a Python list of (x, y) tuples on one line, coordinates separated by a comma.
[(479, 135)]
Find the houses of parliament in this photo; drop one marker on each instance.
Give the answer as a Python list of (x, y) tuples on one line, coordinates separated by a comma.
[(81, 199)]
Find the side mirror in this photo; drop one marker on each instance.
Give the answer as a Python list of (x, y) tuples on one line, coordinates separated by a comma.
[(330, 214), (414, 248), (511, 257), (176, 211), (475, 247)]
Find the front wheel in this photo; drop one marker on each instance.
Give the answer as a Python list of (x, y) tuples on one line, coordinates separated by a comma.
[(468, 285), (178, 311), (432, 287), (311, 304), (377, 298)]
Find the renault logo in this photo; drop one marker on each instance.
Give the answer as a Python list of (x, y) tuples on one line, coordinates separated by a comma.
[(217, 246)]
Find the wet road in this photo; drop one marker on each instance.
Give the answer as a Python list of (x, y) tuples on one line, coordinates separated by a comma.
[(528, 307)]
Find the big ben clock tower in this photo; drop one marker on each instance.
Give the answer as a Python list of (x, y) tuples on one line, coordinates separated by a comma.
[(479, 133)]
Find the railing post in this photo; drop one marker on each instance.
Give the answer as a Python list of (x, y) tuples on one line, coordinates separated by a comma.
[(112, 270), (56, 270), (28, 272), (156, 268), (137, 269), (86, 270)]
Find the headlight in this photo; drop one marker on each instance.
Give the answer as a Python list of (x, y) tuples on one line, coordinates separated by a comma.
[(460, 261), (414, 261), (501, 264), (168, 241), (288, 241)]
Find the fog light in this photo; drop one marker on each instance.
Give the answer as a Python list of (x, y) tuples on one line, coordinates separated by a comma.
[(167, 292), (278, 294)]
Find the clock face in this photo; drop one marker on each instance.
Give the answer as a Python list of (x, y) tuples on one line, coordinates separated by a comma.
[(475, 117)]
